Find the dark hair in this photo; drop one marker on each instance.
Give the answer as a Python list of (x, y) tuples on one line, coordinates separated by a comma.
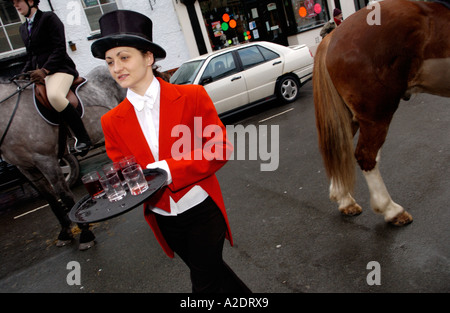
[(155, 68)]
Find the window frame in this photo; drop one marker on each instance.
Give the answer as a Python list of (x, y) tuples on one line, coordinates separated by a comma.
[(11, 50), (100, 6), (294, 28)]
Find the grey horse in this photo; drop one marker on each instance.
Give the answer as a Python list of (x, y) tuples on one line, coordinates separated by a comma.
[(31, 144)]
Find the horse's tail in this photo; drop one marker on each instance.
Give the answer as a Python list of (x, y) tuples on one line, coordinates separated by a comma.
[(334, 124)]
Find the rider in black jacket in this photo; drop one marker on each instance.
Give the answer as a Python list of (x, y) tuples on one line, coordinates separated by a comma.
[(48, 63)]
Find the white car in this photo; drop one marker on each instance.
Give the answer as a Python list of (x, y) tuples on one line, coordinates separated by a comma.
[(248, 74)]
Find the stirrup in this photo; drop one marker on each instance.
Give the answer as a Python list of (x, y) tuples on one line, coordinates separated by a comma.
[(82, 152)]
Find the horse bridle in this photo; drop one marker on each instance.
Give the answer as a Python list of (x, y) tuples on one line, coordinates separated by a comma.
[(18, 91)]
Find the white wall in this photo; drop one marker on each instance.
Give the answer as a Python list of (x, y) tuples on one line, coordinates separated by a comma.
[(348, 8), (310, 38), (186, 26), (77, 30)]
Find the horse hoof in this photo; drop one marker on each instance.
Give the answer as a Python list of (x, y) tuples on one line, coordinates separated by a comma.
[(351, 210), (86, 240), (402, 219), (63, 243), (65, 237), (86, 245)]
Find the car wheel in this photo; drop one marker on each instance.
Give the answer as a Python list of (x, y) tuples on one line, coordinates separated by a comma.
[(288, 88), (71, 169)]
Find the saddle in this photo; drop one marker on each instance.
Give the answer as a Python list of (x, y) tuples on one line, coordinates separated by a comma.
[(48, 113), (51, 116)]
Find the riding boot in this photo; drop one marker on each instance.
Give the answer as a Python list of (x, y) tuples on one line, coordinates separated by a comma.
[(73, 120)]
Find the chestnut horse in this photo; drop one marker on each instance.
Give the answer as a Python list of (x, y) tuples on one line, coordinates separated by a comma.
[(361, 72)]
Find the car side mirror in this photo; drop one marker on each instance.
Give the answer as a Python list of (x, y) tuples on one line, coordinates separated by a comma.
[(206, 80)]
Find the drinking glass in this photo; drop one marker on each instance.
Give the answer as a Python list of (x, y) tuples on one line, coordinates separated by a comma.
[(135, 179), (113, 186), (92, 184), (114, 168), (127, 161)]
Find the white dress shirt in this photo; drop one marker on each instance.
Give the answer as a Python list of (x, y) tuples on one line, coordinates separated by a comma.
[(147, 112), (30, 21)]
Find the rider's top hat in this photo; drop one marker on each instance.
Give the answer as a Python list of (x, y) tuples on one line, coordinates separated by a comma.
[(123, 28)]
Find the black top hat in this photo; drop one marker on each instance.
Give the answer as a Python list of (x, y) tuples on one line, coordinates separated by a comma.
[(123, 28)]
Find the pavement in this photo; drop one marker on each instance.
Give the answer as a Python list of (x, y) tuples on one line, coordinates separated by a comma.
[(289, 237)]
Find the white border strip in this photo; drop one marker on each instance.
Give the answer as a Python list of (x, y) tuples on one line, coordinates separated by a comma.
[(273, 116)]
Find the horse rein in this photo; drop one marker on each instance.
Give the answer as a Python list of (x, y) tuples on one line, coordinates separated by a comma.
[(18, 91)]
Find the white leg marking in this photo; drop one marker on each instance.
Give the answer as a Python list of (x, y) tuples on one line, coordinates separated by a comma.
[(380, 200), (342, 197)]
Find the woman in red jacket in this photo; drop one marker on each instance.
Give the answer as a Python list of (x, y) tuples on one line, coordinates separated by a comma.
[(188, 216)]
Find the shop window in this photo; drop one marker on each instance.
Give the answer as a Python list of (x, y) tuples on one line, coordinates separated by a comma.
[(310, 13), (9, 28), (359, 4), (225, 21), (94, 9)]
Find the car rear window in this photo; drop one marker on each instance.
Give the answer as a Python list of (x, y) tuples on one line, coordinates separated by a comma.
[(255, 55), (268, 54)]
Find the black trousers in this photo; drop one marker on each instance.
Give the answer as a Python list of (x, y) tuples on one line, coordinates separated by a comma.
[(197, 236)]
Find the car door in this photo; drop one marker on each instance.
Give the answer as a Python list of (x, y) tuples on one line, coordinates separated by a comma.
[(224, 83), (262, 67)]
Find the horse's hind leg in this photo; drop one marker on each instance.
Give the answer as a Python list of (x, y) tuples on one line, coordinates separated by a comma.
[(346, 203), (46, 192), (53, 174), (368, 155)]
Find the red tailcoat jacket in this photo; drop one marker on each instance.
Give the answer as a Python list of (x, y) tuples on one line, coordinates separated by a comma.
[(180, 106)]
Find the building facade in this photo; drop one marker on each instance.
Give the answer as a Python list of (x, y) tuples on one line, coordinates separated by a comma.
[(185, 28)]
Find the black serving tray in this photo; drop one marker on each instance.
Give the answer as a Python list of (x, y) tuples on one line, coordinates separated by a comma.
[(89, 210)]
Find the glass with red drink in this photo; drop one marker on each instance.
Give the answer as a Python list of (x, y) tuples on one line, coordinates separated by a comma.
[(92, 184)]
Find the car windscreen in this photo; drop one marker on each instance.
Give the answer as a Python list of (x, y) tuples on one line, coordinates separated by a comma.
[(186, 73)]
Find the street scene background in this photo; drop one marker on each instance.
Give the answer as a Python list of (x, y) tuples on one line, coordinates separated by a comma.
[(289, 237)]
